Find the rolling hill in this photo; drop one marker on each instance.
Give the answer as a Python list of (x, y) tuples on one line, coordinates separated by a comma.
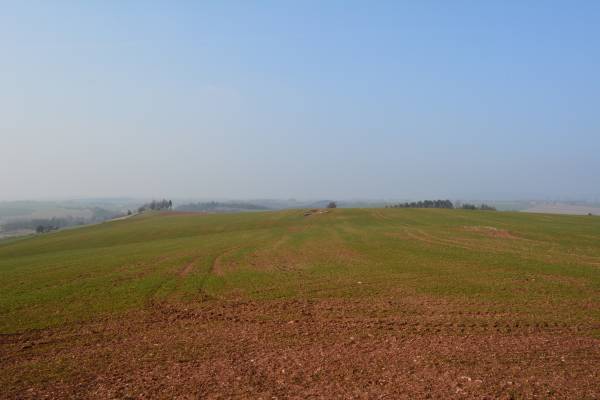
[(267, 303)]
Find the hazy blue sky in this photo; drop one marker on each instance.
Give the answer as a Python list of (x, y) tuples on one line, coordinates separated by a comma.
[(323, 99)]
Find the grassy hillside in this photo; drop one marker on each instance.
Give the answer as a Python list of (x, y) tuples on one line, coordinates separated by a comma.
[(540, 267)]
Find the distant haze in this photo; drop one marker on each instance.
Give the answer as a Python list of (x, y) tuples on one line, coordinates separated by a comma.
[(324, 100)]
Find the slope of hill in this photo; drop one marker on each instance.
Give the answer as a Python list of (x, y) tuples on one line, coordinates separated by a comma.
[(268, 303)]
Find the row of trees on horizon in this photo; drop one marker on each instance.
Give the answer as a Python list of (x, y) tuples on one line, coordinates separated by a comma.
[(156, 205), (441, 204), (424, 204)]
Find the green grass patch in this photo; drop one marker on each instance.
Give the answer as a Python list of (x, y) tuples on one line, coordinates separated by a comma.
[(527, 262)]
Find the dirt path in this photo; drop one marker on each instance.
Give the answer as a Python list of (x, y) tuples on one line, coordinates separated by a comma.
[(188, 268), (218, 266), (305, 349)]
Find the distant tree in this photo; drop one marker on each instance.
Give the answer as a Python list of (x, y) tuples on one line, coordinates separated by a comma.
[(46, 228), (425, 204), (332, 204), (129, 212), (483, 207), (155, 205)]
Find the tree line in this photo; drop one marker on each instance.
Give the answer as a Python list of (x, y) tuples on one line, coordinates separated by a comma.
[(441, 204), (424, 204), (482, 207), (156, 205)]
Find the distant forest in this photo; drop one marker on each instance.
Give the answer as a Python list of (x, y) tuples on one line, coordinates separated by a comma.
[(214, 206), (441, 204)]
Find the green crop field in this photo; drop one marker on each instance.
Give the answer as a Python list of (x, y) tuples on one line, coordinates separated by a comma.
[(457, 303), (538, 265)]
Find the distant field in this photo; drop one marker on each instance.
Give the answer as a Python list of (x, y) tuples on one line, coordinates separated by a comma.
[(11, 234), (564, 209), (382, 299)]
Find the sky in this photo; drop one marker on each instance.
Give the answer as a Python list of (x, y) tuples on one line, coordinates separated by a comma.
[(300, 99)]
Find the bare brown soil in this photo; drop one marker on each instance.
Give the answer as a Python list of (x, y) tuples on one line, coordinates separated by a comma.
[(416, 348), (187, 269), (491, 231), (315, 211)]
